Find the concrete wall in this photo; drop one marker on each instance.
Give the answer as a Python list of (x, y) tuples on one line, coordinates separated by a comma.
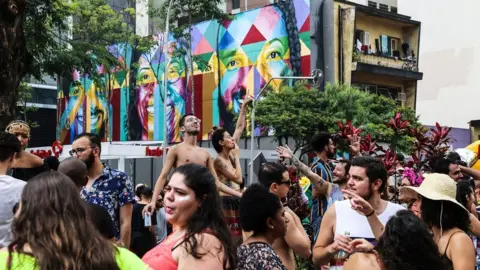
[(449, 56), (336, 33)]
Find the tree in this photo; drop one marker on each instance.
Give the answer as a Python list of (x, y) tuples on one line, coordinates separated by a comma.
[(55, 37), (183, 15), (300, 112), (24, 96), (293, 112)]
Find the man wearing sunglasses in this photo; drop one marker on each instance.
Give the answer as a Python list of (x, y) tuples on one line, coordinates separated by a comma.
[(275, 177)]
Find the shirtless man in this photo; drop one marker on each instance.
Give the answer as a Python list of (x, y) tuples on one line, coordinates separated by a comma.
[(184, 153), (275, 177)]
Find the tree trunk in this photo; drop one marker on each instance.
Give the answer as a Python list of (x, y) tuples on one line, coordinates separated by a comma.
[(12, 56)]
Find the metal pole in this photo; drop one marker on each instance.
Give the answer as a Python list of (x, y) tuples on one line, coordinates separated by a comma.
[(165, 81), (315, 76)]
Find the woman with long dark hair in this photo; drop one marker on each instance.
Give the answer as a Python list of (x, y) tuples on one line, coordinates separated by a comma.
[(52, 231), (448, 220), (407, 243), (200, 237)]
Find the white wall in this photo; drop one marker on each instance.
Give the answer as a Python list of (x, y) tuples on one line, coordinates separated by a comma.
[(386, 2), (449, 59)]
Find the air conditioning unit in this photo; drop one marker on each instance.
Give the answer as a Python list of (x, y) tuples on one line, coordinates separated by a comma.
[(402, 97)]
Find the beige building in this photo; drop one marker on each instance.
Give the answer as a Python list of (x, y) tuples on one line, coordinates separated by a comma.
[(377, 50)]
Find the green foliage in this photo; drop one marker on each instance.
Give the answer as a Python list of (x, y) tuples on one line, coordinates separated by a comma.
[(24, 96), (293, 112), (185, 13), (299, 112), (55, 49)]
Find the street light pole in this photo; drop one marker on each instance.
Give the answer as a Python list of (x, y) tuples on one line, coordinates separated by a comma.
[(165, 82), (315, 76)]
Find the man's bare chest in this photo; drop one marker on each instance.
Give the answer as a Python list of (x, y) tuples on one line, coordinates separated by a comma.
[(197, 156)]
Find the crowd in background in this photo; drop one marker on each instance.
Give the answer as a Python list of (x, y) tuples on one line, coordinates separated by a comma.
[(331, 213)]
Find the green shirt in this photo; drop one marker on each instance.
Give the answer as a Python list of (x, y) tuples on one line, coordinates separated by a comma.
[(126, 260)]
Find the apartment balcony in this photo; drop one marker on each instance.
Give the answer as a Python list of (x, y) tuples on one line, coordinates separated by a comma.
[(390, 66)]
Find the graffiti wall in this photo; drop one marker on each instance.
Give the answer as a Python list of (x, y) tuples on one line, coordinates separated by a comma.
[(231, 59)]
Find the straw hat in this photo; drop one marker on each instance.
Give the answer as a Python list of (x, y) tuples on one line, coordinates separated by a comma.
[(438, 187)]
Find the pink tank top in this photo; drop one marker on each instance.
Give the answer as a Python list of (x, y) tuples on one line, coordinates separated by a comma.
[(160, 257)]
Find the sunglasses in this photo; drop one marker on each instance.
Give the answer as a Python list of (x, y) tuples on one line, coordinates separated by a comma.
[(288, 183)]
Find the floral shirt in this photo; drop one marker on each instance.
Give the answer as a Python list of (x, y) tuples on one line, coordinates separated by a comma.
[(112, 190), (258, 256)]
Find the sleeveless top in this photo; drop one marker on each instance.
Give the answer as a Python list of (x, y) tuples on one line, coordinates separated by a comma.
[(445, 260), (350, 222), (160, 257)]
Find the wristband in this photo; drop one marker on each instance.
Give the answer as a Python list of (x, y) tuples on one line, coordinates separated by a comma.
[(371, 214)]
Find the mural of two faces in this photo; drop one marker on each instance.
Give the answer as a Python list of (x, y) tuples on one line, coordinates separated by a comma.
[(231, 59)]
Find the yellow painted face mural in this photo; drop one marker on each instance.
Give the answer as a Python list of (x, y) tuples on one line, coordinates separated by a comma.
[(230, 59)]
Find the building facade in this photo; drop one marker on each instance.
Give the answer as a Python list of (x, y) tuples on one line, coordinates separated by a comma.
[(449, 93), (377, 50)]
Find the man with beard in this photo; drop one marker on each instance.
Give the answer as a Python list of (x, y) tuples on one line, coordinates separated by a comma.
[(350, 219), (324, 189), (26, 165), (106, 187), (184, 153)]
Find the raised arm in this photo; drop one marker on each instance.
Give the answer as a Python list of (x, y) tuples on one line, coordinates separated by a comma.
[(162, 179), (321, 185), (475, 174), (241, 118), (221, 186)]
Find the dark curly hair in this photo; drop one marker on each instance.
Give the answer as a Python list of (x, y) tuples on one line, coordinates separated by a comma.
[(256, 206), (375, 169), (209, 216), (452, 215), (407, 243), (217, 136)]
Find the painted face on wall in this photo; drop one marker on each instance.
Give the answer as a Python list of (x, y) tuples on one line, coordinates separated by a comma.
[(254, 48), (146, 84), (149, 83), (87, 110)]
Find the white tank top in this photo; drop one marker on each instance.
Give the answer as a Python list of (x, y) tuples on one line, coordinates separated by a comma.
[(350, 222)]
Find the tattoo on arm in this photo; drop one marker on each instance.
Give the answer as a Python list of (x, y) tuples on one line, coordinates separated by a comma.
[(305, 170)]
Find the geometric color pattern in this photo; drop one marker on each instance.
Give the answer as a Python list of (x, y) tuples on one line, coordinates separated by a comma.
[(231, 59)]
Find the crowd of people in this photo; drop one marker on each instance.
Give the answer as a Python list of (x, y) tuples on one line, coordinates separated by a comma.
[(334, 213)]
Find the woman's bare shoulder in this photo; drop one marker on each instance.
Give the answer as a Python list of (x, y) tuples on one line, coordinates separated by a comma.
[(361, 261)]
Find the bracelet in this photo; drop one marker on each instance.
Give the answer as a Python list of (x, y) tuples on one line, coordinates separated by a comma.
[(371, 214)]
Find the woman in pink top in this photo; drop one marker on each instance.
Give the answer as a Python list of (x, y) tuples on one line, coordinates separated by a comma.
[(200, 237)]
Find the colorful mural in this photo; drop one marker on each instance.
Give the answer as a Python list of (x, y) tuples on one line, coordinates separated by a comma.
[(231, 59)]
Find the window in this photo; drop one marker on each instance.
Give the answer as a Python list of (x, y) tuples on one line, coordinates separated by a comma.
[(363, 37), (372, 4), (395, 46), (393, 9), (383, 7), (235, 4)]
